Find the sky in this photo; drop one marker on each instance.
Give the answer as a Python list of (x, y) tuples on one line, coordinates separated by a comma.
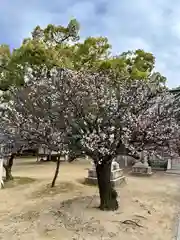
[(152, 25)]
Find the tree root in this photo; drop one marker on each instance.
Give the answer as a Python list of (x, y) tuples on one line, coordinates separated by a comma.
[(139, 216), (134, 222)]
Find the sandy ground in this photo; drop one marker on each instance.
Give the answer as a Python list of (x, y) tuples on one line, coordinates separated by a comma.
[(31, 210)]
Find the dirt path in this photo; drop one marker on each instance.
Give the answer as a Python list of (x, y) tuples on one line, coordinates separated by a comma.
[(34, 211)]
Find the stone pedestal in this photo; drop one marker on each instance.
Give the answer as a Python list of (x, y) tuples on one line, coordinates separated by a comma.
[(173, 166), (116, 175), (140, 168)]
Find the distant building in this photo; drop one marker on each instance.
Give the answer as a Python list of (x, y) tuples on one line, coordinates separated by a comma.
[(175, 91)]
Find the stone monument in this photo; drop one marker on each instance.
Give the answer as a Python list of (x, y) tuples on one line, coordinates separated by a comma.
[(173, 165), (142, 167), (117, 176)]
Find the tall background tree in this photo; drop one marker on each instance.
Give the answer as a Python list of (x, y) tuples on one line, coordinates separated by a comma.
[(61, 47)]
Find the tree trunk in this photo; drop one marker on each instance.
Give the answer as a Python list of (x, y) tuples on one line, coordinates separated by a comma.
[(56, 172), (54, 158), (49, 157), (8, 167), (108, 195)]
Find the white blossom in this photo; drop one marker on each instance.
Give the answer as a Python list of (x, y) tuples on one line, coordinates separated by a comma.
[(97, 112)]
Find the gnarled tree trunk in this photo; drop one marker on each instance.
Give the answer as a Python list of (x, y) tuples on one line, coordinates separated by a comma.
[(8, 167), (108, 195), (56, 171)]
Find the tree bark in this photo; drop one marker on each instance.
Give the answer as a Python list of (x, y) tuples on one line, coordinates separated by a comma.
[(8, 167), (49, 157), (56, 171), (54, 158), (108, 195)]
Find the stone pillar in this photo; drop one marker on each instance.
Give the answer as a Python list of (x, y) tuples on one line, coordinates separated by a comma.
[(1, 173), (145, 158), (169, 165), (66, 157), (174, 164), (125, 161)]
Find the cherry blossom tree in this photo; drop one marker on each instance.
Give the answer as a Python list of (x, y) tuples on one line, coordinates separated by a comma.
[(10, 145), (36, 113), (175, 143), (156, 127), (110, 114), (12, 140), (97, 114)]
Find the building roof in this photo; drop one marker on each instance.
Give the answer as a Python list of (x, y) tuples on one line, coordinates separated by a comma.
[(177, 90)]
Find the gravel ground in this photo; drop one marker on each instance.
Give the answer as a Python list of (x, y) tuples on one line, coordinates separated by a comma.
[(148, 207)]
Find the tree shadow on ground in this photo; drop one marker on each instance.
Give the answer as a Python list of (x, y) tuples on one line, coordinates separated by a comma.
[(47, 191), (18, 181), (27, 162)]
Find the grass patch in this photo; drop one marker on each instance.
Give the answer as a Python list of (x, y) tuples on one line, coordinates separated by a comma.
[(47, 191), (18, 181)]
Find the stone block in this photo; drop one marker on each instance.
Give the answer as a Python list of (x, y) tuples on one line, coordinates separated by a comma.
[(141, 169), (116, 174), (114, 182)]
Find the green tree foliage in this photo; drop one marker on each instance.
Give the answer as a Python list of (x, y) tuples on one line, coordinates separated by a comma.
[(5, 56), (91, 53), (61, 46), (46, 48), (137, 65)]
